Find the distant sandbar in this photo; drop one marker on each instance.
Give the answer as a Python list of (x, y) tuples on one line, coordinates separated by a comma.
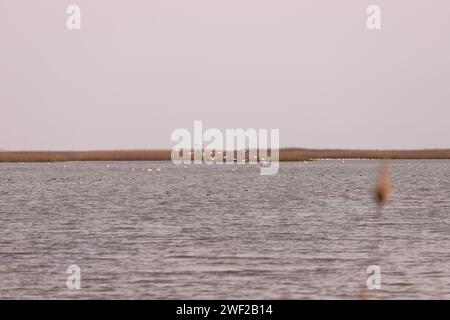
[(288, 154)]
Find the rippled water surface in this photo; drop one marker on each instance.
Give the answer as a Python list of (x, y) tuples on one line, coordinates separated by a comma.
[(223, 231)]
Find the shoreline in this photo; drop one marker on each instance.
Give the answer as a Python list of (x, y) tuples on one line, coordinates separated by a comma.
[(286, 155)]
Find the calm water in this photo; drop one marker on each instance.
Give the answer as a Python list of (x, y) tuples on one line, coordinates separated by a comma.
[(223, 231)]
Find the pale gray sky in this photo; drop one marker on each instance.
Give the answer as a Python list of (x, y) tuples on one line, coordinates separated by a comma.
[(138, 69)]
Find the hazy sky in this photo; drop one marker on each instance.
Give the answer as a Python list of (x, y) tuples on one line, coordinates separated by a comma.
[(138, 69)]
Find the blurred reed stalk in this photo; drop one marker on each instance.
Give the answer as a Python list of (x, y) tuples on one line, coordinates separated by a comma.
[(383, 189)]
